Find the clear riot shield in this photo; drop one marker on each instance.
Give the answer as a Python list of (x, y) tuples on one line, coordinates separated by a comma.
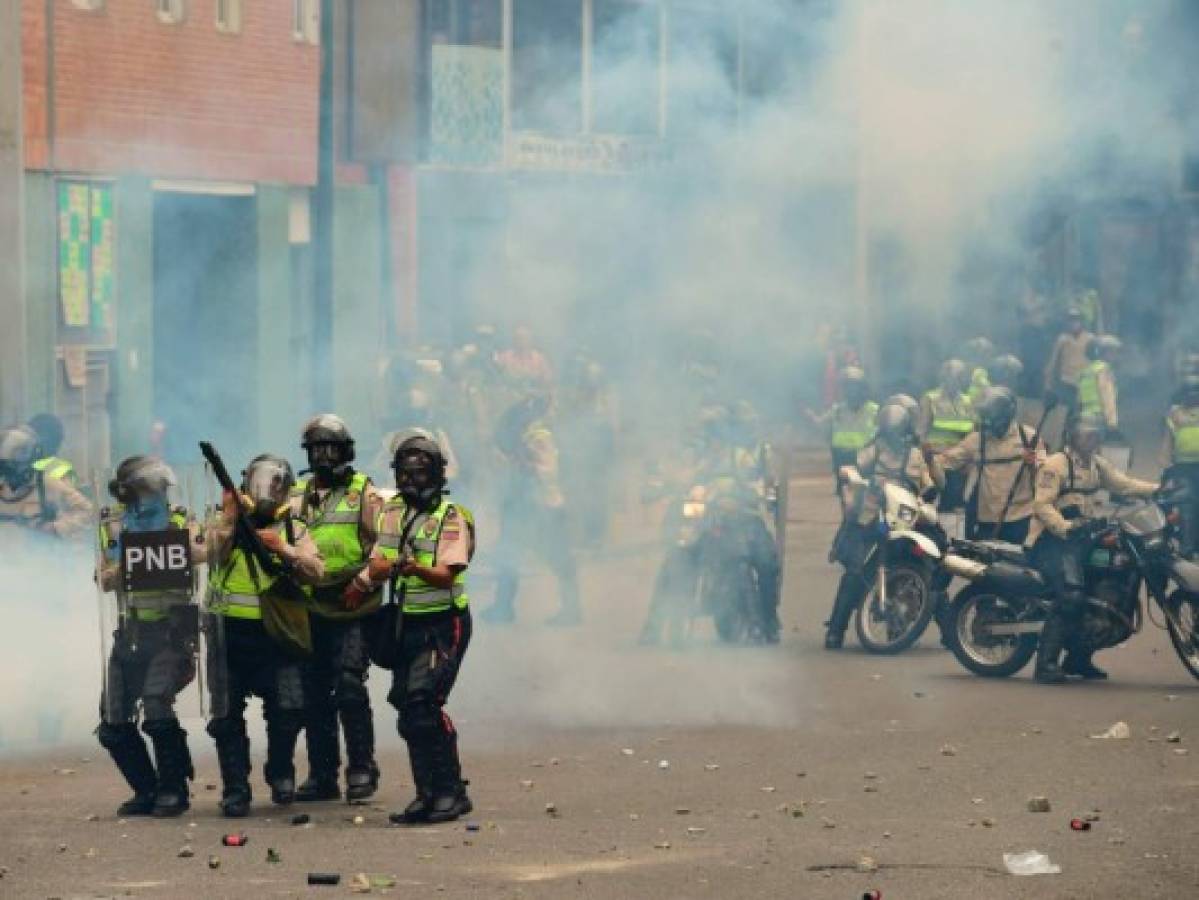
[(214, 667), (111, 611)]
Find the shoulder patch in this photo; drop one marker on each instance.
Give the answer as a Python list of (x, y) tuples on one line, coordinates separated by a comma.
[(353, 499), (1047, 478), (430, 527)]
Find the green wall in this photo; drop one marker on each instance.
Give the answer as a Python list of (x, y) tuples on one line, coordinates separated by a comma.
[(41, 291)]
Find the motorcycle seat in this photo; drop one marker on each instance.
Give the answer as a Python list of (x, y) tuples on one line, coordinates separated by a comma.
[(1004, 550)]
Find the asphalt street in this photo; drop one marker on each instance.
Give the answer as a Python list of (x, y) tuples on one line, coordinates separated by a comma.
[(603, 769)]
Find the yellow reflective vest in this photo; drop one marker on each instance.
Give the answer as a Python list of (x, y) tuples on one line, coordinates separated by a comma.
[(853, 429), (421, 598), (1183, 422)]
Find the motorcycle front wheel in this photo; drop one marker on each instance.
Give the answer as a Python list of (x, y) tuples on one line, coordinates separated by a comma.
[(895, 626), (974, 610), (1184, 635)]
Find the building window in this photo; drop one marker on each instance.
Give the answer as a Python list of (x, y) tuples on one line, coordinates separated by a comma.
[(169, 12), (547, 60), (228, 16), (625, 66), (306, 21)]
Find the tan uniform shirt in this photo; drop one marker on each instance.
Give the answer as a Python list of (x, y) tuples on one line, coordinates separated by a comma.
[(1057, 491), (1068, 359), (454, 546), (72, 513), (304, 556), (877, 460), (1004, 463)]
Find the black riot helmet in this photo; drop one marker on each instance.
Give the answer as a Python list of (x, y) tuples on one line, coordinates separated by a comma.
[(19, 450), (419, 467), (896, 425), (49, 430), (1005, 371), (997, 411), (1086, 433), (330, 448), (267, 481), (141, 479)]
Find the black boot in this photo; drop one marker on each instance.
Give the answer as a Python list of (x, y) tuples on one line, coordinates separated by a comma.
[(282, 732), (128, 751), (1078, 662), (420, 758), (233, 756), (324, 758), (174, 766), (362, 774), (848, 593), (1049, 650), (449, 790)]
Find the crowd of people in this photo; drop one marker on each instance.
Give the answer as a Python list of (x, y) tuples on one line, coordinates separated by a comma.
[(295, 609), (963, 440)]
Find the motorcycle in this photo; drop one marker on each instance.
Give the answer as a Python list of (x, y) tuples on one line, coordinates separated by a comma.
[(994, 623), (904, 558), (707, 571)]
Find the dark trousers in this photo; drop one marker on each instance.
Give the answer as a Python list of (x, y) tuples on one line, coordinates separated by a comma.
[(431, 653), (854, 545), (1010, 532), (244, 662), (1060, 561), (335, 686), (150, 663), (1188, 473)]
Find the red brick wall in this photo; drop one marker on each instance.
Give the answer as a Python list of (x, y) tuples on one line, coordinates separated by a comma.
[(183, 101)]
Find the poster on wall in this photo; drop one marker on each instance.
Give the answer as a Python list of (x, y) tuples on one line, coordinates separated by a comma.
[(86, 271)]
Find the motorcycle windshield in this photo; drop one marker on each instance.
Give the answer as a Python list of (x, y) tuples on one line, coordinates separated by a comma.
[(1143, 520)]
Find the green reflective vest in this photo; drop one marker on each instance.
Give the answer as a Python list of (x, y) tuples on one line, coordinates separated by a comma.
[(236, 589), (854, 429), (335, 528), (1183, 423), (1089, 400), (952, 420), (145, 606), (56, 467), (421, 598), (979, 382)]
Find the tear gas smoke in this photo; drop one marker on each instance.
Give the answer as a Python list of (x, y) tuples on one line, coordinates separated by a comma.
[(903, 151)]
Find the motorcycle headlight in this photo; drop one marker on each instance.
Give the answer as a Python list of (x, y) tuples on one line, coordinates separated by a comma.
[(693, 510), (907, 514)]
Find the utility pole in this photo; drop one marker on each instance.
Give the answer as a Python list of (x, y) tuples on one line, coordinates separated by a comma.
[(322, 224), (12, 199)]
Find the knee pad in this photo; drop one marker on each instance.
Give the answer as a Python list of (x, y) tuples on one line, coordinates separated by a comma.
[(113, 736), (420, 718)]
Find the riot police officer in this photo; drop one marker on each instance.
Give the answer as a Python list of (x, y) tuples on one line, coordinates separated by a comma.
[(893, 456), (1063, 507), (850, 421), (425, 544), (1180, 452), (153, 654), (1006, 371), (1003, 458), (980, 353), (30, 500), (946, 417), (1097, 394), (245, 655), (340, 508)]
